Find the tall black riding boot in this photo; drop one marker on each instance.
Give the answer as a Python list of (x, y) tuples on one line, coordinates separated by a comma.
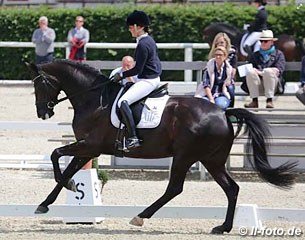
[(132, 140), (248, 50)]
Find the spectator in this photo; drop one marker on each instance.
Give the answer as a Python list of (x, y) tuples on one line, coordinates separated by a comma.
[(147, 68), (255, 29), (78, 37), (127, 63), (300, 94), (267, 73), (302, 73), (222, 39), (43, 38), (216, 79)]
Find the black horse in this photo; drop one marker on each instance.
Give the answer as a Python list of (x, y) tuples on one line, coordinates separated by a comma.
[(292, 48), (191, 130)]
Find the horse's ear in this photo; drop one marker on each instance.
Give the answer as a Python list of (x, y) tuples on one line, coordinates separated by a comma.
[(31, 66)]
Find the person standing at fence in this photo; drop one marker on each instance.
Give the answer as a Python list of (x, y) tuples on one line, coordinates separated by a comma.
[(216, 79), (267, 73), (127, 63), (147, 68), (222, 39), (43, 38), (78, 37)]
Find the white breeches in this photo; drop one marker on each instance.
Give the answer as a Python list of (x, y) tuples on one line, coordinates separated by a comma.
[(251, 39), (140, 89)]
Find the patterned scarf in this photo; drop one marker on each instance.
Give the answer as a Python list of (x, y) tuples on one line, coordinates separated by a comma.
[(266, 53)]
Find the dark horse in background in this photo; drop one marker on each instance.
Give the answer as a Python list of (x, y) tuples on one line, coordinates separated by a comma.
[(191, 130), (292, 48)]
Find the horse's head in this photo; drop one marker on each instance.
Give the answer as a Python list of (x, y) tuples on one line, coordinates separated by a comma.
[(46, 91)]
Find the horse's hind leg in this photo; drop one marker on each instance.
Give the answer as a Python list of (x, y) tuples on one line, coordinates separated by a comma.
[(174, 187), (231, 190)]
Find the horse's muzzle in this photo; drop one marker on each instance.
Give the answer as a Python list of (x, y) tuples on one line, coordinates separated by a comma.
[(44, 115)]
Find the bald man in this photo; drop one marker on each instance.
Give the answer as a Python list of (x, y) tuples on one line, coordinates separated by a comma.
[(127, 63)]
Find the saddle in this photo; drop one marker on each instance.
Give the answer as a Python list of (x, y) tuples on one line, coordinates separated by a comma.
[(137, 107)]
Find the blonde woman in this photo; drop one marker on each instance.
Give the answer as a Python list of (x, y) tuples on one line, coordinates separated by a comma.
[(222, 39), (216, 79)]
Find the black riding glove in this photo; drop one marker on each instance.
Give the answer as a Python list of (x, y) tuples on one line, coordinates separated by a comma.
[(116, 78)]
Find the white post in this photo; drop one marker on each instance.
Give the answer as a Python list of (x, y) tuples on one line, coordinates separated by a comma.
[(67, 51), (188, 57), (247, 216), (87, 193)]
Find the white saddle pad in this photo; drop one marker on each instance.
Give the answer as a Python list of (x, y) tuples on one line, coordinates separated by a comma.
[(151, 114)]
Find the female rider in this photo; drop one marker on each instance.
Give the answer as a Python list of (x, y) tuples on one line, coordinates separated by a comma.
[(256, 28), (147, 68)]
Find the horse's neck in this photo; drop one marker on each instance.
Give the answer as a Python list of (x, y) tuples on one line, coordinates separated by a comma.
[(94, 100), (79, 93)]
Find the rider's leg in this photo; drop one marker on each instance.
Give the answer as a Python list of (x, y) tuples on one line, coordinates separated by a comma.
[(137, 91), (251, 39), (132, 140)]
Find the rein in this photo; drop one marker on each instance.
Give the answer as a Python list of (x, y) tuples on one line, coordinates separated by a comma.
[(81, 92), (52, 104)]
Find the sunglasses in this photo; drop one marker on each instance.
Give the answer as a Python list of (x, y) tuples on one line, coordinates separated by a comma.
[(264, 41)]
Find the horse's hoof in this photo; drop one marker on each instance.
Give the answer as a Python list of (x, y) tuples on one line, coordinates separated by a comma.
[(70, 185), (220, 230), (137, 221), (41, 210), (217, 230)]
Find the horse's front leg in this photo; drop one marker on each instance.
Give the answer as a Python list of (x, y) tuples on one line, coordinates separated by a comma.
[(82, 153), (59, 152), (56, 154), (75, 165)]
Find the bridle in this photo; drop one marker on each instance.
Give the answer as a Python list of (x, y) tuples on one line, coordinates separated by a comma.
[(46, 84), (52, 103)]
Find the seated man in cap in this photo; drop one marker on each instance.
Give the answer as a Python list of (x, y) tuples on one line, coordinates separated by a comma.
[(268, 67)]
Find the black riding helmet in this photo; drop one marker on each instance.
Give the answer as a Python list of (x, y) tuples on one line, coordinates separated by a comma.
[(139, 18), (261, 2)]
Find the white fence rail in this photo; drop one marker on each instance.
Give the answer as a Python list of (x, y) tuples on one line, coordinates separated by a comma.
[(247, 215), (39, 126), (188, 49)]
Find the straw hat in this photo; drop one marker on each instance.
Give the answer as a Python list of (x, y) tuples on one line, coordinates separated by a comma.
[(267, 35)]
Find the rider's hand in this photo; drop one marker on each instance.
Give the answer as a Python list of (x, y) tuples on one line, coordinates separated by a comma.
[(116, 78)]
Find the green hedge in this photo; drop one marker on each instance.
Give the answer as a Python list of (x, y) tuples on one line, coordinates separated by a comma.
[(174, 23)]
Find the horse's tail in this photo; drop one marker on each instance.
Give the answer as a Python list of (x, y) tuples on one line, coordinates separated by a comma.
[(258, 131)]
